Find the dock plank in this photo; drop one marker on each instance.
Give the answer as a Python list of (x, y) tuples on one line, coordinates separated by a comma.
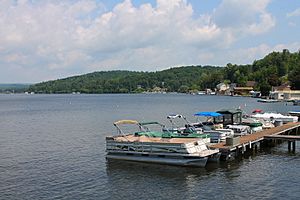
[(258, 136)]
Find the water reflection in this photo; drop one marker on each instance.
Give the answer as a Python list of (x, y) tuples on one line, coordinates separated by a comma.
[(249, 176), (161, 181), (158, 181)]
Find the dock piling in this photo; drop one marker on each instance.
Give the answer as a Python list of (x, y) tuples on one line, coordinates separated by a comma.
[(294, 146), (289, 146)]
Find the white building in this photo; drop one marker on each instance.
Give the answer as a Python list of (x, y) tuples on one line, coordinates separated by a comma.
[(284, 92)]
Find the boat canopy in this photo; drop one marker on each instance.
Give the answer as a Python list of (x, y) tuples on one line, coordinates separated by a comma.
[(126, 122), (208, 114), (230, 111)]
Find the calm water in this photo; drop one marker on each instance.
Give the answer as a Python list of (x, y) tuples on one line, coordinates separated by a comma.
[(53, 147)]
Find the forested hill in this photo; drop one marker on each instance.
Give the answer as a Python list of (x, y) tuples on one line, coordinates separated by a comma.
[(273, 70), (174, 79)]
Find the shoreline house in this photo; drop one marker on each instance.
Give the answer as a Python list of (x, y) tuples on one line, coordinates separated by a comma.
[(244, 91), (284, 92)]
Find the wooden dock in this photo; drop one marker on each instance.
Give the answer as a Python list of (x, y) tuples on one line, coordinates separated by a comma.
[(283, 137), (249, 141)]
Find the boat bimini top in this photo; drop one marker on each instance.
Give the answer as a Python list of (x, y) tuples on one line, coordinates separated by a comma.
[(172, 120), (208, 114), (143, 128), (211, 119), (125, 122), (174, 116)]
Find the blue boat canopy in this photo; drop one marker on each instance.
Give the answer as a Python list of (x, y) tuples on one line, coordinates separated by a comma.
[(208, 114)]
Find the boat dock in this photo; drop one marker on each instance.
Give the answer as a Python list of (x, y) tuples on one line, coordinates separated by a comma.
[(287, 132)]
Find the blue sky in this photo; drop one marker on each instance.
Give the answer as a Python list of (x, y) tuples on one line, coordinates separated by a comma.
[(51, 39)]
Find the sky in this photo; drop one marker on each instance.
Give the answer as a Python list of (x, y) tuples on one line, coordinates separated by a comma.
[(52, 39)]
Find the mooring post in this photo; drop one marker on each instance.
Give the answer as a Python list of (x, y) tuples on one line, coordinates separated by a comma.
[(238, 152), (253, 150), (262, 143), (289, 145), (294, 146), (244, 148)]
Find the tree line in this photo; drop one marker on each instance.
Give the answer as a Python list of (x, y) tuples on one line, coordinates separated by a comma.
[(273, 70)]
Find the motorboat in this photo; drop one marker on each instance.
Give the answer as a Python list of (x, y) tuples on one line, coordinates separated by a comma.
[(254, 124), (239, 130), (268, 116), (157, 147), (266, 124), (295, 113), (216, 131), (268, 100), (212, 119), (219, 135)]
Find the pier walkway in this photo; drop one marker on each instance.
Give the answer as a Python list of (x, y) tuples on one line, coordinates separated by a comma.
[(283, 137), (248, 140)]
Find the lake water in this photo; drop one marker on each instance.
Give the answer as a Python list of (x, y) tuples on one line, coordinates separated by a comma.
[(53, 147)]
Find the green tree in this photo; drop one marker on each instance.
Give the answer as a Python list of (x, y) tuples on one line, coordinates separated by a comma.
[(265, 88), (183, 89), (294, 78)]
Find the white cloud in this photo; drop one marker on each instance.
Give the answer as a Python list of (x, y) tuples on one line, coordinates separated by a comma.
[(294, 13), (292, 24), (244, 17), (59, 38)]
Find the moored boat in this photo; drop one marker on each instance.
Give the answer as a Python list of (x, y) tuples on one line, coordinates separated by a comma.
[(254, 124), (295, 113), (268, 100), (275, 117), (212, 127), (239, 130), (157, 147)]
